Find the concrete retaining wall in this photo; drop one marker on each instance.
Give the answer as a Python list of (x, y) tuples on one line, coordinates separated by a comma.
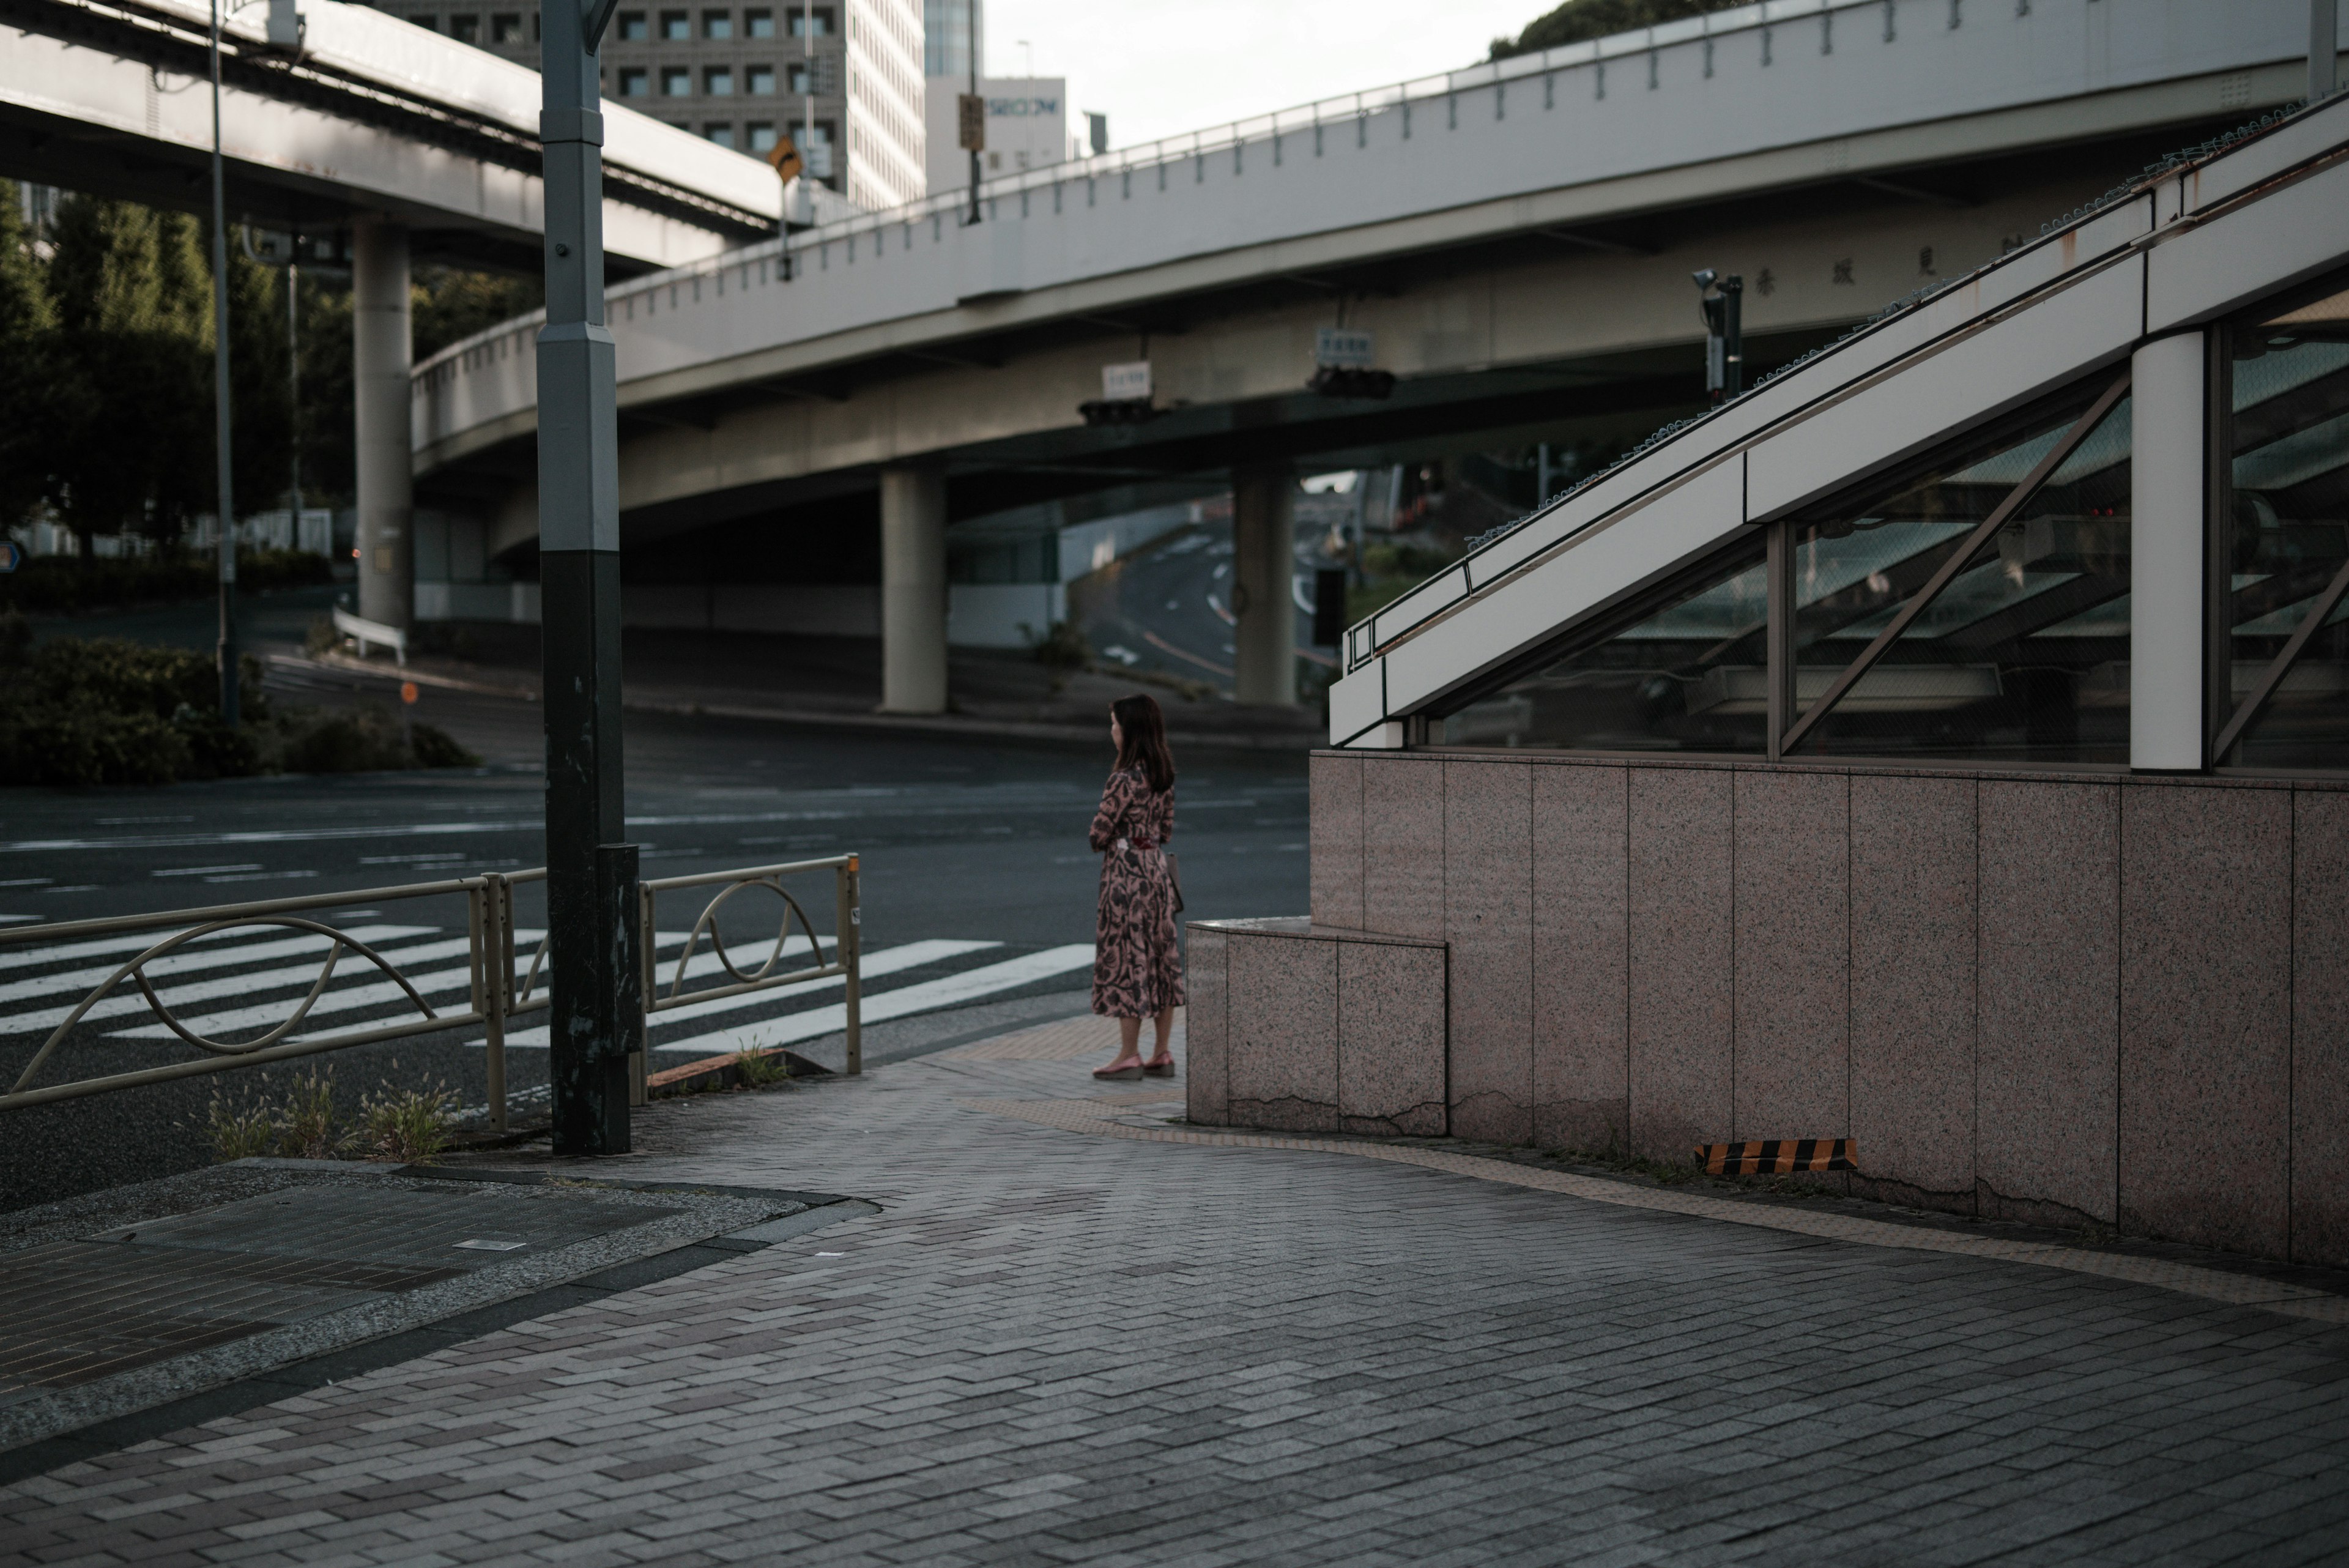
[(2067, 997)]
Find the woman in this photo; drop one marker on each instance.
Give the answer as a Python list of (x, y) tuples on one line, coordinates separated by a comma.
[(1136, 968)]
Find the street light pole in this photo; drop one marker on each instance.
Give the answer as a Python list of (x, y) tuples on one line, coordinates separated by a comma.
[(973, 52), (228, 649), (595, 979)]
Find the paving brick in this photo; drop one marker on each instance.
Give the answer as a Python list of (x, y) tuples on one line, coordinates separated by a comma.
[(1053, 1347)]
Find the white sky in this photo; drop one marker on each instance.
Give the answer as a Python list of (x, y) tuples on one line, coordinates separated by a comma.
[(1160, 66)]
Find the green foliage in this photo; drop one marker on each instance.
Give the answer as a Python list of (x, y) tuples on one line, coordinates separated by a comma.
[(411, 1126), (103, 712), (240, 1132), (107, 411), (1577, 20), (309, 1126), (448, 304), (365, 740), (58, 584), (761, 1071), (1064, 646)]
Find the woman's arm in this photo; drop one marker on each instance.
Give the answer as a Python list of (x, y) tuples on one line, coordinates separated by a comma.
[(1112, 812)]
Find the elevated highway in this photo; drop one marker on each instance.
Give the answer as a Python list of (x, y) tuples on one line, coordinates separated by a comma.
[(1518, 236), (375, 117), (413, 143)]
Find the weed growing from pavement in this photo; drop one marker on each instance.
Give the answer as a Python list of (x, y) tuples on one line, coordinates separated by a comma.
[(411, 1126), (240, 1132), (760, 1070)]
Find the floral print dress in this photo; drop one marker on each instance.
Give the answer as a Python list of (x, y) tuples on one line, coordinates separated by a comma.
[(1137, 969)]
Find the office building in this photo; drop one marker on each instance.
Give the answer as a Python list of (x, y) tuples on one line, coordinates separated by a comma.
[(951, 29), (1026, 127), (843, 77)]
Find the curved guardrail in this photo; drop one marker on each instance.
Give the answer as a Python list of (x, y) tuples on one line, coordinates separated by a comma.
[(498, 987)]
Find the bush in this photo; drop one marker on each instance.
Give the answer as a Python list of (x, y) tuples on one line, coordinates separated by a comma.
[(362, 740), (66, 585), (411, 1126), (433, 747), (1064, 646), (75, 712)]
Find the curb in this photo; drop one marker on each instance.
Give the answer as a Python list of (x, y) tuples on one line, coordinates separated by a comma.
[(944, 724)]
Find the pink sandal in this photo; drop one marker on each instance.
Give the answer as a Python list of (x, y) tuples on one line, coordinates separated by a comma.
[(1114, 1072), (1163, 1067)]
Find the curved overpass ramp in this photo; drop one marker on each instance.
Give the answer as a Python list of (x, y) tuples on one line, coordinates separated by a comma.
[(1569, 150)]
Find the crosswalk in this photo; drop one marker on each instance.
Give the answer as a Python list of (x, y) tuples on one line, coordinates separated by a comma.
[(238, 984)]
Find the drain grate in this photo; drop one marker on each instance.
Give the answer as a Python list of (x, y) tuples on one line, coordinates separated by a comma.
[(72, 1312)]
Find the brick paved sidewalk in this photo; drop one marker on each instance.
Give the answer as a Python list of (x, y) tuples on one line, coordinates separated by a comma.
[(1054, 1346)]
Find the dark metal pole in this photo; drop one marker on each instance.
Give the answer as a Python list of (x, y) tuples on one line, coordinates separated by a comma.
[(1732, 335), (974, 92), (591, 1030), (228, 649)]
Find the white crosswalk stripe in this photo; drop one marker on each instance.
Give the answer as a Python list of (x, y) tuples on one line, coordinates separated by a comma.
[(874, 965), (905, 1001), (250, 979), (126, 998), (191, 960), (374, 993)]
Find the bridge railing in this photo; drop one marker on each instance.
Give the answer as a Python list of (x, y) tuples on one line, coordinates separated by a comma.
[(1326, 115)]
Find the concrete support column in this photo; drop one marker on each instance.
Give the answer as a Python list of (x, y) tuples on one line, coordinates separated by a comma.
[(913, 591), (381, 355), (2168, 550), (1264, 565)]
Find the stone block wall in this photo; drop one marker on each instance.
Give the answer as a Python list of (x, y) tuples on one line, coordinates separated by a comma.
[(2114, 998), (1308, 1029)]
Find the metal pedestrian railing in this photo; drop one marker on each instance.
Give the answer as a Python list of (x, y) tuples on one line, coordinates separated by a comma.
[(498, 987), (846, 918)]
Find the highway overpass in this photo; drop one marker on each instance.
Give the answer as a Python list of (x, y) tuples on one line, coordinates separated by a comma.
[(1518, 236), (413, 143)]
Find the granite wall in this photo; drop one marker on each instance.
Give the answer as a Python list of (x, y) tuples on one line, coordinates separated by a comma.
[(1308, 1029), (2111, 998)]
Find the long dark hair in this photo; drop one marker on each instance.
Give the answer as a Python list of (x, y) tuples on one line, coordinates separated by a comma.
[(1143, 744)]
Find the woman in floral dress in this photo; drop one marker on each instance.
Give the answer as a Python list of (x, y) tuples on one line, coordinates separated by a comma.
[(1137, 970)]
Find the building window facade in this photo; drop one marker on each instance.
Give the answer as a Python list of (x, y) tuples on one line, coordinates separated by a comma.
[(1973, 608), (1679, 670), (2281, 551)]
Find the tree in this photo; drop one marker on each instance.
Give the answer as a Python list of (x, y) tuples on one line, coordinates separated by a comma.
[(1577, 20), (28, 322), (129, 388)]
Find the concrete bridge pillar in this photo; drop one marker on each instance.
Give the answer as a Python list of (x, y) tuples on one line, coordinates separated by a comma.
[(913, 591), (1264, 517), (381, 354)]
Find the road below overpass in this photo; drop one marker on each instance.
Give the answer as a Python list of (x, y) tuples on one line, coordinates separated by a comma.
[(979, 892)]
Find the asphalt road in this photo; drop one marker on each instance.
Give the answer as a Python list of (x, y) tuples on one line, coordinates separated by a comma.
[(976, 884)]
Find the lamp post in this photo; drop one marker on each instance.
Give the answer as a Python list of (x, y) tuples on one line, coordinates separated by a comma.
[(228, 647), (975, 143), (594, 981), (1722, 304)]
